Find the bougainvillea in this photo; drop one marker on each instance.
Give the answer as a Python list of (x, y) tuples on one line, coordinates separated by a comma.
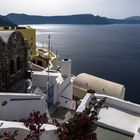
[(34, 123), (82, 125), (9, 135)]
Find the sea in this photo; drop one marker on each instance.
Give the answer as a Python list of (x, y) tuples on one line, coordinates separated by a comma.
[(111, 52)]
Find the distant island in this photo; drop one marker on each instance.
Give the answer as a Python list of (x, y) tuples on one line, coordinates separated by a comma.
[(18, 19), (70, 19), (128, 20)]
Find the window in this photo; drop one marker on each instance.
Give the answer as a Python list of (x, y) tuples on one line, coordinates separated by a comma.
[(12, 67), (19, 63), (39, 62)]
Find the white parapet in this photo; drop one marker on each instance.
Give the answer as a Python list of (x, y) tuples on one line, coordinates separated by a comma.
[(137, 135), (121, 116), (9, 126), (17, 106)]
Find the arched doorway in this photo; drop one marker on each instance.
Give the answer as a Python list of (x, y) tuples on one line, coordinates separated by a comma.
[(19, 63), (12, 67)]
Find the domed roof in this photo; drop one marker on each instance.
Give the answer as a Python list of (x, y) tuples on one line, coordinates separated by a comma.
[(101, 86)]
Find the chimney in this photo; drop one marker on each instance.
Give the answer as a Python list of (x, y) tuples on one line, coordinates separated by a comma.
[(66, 67)]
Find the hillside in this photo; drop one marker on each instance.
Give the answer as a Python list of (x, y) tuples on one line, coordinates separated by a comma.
[(128, 20), (71, 19), (133, 18), (5, 22)]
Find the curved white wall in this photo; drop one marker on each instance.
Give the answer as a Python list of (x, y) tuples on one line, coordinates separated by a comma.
[(9, 126), (100, 86)]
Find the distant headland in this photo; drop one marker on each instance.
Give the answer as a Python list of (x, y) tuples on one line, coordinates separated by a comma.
[(4, 21), (14, 18)]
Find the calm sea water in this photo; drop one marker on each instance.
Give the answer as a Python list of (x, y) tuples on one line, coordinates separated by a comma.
[(107, 51)]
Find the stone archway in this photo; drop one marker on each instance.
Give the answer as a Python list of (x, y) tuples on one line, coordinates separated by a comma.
[(16, 37), (12, 67), (19, 63)]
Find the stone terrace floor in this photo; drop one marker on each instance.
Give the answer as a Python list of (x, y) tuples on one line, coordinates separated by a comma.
[(62, 114)]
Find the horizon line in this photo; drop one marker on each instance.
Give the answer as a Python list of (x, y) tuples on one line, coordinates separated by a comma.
[(70, 15)]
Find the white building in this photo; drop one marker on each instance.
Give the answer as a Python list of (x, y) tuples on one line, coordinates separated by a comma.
[(22, 131), (57, 86), (49, 88), (17, 106)]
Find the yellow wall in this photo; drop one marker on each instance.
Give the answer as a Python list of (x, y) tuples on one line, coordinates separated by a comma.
[(29, 34)]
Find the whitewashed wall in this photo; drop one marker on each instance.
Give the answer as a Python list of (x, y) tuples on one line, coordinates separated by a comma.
[(49, 134), (18, 106)]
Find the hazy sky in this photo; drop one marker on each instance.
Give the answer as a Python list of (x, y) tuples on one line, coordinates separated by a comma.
[(109, 8)]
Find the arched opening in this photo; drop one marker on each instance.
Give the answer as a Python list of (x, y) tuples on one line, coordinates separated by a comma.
[(33, 61), (12, 67), (19, 63), (39, 63), (16, 38)]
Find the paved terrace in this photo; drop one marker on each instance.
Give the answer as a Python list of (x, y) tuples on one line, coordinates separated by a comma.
[(121, 116)]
